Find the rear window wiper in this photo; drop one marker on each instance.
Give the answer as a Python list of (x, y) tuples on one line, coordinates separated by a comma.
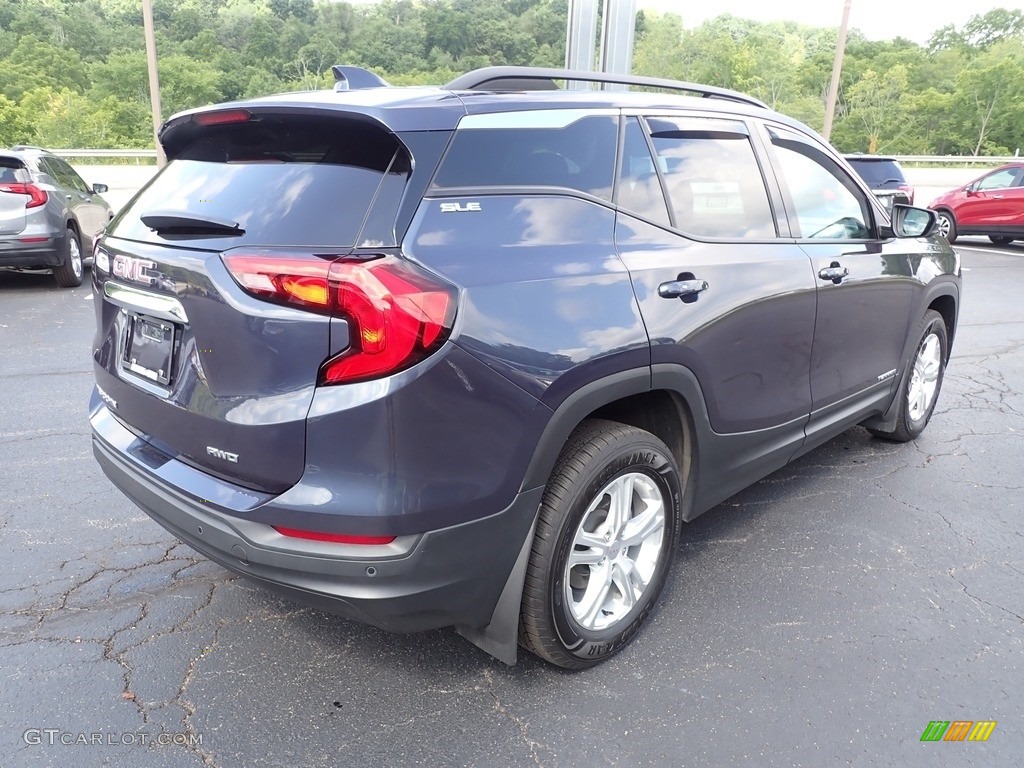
[(183, 223)]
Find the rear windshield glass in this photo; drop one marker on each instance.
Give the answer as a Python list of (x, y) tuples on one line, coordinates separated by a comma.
[(578, 156), (9, 167), (877, 172), (286, 181)]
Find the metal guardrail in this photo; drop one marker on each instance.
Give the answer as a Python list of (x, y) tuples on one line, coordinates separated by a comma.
[(105, 152), (958, 159)]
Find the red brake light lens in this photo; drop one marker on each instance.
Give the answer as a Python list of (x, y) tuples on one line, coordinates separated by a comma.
[(335, 538), (398, 314), (37, 196), (222, 117)]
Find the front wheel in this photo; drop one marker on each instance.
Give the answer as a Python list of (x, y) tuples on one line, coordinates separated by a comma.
[(920, 389), (946, 225), (606, 535), (1000, 239)]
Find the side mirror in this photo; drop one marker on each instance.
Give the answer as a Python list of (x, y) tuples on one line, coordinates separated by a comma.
[(99, 189), (910, 221)]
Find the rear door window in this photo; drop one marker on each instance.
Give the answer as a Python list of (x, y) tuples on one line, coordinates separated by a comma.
[(285, 180), (639, 189), (66, 175), (566, 148), (712, 179)]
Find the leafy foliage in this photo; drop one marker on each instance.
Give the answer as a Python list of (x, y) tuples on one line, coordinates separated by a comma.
[(73, 72)]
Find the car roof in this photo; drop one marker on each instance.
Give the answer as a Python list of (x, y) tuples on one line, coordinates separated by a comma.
[(419, 108)]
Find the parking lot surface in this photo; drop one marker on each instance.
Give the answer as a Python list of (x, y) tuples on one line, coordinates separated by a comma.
[(822, 617)]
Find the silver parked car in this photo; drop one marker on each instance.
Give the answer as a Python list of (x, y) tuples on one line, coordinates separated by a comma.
[(49, 216)]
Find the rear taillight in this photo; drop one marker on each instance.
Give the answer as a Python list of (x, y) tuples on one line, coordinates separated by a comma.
[(36, 195), (398, 314), (909, 190)]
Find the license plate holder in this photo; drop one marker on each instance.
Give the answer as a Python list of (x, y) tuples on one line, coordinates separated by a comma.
[(149, 348)]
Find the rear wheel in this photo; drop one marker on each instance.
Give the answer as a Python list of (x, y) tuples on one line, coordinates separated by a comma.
[(946, 225), (69, 272), (1000, 239), (922, 382), (606, 536)]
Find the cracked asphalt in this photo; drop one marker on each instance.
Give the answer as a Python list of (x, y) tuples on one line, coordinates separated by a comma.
[(822, 617)]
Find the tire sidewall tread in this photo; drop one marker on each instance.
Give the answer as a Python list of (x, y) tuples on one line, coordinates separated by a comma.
[(595, 453)]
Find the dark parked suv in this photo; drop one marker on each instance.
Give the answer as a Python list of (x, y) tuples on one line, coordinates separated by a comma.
[(470, 356), (884, 176)]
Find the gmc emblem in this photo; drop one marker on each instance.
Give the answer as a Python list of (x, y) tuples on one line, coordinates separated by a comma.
[(136, 270)]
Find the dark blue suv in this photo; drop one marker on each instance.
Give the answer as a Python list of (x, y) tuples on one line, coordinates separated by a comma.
[(470, 356)]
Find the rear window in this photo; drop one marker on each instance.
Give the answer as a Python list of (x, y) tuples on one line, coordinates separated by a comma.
[(9, 170), (877, 173), (285, 180), (539, 153)]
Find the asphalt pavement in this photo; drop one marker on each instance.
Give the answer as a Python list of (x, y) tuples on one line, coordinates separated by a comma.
[(823, 617)]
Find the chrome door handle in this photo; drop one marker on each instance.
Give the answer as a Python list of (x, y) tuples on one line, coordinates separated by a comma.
[(679, 289), (834, 272)]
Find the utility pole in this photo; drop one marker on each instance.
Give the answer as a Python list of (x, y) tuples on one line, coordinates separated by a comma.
[(154, 80), (837, 69)]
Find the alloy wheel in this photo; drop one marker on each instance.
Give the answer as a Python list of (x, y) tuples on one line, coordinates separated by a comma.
[(615, 551)]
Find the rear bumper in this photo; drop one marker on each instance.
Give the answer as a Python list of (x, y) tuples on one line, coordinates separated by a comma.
[(447, 577), (14, 253)]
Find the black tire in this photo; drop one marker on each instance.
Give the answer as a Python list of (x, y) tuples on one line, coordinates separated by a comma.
[(917, 398), (72, 267), (1000, 239), (947, 225), (599, 456)]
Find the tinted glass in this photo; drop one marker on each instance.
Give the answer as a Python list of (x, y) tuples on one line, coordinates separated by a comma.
[(286, 181), (639, 189), (827, 202), (579, 156), (68, 176), (714, 184), (878, 173), (53, 170)]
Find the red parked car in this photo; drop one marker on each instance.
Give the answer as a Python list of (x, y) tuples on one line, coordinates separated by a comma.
[(991, 205)]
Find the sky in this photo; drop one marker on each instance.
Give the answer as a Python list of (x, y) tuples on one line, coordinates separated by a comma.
[(878, 19)]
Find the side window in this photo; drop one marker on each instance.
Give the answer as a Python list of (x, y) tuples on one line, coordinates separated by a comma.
[(714, 185), (62, 173), (44, 165), (69, 177), (639, 189), (549, 148), (998, 180), (827, 203)]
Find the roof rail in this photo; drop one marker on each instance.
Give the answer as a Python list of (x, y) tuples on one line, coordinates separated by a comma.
[(351, 78), (542, 78)]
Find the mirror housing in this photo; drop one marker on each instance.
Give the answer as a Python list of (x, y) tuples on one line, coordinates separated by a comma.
[(99, 189), (911, 221)]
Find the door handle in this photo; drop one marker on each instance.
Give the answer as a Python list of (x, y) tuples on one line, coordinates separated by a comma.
[(680, 289), (997, 197), (834, 272)]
